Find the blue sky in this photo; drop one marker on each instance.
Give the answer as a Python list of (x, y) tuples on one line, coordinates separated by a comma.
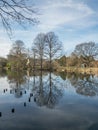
[(74, 21)]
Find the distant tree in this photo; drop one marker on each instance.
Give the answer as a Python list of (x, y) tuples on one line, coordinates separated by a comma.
[(73, 60), (18, 48), (86, 52), (17, 55), (17, 11), (62, 61), (39, 45), (53, 47)]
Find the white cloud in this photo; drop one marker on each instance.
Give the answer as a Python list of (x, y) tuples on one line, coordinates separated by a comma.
[(5, 43), (26, 36), (59, 12), (4, 49)]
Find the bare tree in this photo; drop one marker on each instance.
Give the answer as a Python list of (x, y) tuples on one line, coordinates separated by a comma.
[(87, 52), (17, 55), (53, 47), (19, 11), (39, 45), (34, 54), (18, 48)]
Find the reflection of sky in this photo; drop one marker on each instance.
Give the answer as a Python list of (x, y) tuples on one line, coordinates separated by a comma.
[(73, 111), (3, 83)]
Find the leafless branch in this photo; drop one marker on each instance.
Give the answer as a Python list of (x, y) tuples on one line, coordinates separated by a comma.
[(14, 11)]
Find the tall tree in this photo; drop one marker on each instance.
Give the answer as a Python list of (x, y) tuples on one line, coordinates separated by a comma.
[(17, 55), (87, 52), (39, 45), (53, 47), (19, 11), (18, 48), (34, 54)]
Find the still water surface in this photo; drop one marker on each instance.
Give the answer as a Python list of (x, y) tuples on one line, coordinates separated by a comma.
[(48, 101)]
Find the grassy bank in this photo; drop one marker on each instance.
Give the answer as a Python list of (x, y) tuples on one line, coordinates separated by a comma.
[(79, 70)]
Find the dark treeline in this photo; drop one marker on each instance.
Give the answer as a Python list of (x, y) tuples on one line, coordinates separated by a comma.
[(46, 54)]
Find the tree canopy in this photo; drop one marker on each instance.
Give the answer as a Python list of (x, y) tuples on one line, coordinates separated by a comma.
[(17, 56), (87, 51)]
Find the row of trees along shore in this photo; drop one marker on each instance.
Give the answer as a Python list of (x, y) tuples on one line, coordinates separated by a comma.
[(46, 54), (45, 49), (85, 55)]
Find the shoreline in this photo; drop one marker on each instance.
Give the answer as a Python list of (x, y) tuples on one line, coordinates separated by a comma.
[(89, 70)]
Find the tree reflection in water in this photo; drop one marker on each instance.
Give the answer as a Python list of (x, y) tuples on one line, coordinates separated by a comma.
[(47, 91), (64, 92), (17, 82), (45, 87), (84, 84)]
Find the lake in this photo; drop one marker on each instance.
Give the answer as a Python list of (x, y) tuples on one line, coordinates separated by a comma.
[(48, 101)]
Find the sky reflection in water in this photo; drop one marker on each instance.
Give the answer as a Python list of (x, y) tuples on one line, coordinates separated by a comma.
[(47, 101)]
